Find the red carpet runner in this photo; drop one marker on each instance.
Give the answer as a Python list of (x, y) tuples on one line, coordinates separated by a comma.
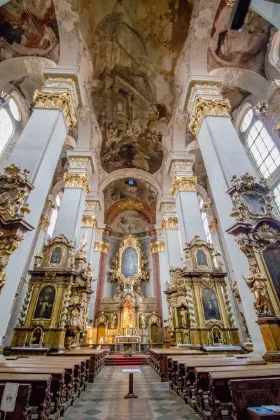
[(135, 360)]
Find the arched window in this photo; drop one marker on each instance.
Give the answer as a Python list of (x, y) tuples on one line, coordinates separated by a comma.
[(6, 128), (204, 219), (54, 216), (260, 144), (10, 119)]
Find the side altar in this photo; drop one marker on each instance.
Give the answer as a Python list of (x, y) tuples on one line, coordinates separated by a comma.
[(55, 310), (200, 312), (128, 313)]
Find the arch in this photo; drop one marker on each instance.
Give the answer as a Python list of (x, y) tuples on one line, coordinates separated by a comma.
[(17, 67), (142, 208), (243, 79), (133, 173)]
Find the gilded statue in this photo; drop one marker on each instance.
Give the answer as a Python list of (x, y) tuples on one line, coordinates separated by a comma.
[(113, 320), (256, 283), (142, 322), (170, 321), (184, 317)]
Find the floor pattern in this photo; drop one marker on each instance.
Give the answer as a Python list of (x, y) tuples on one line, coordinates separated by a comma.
[(103, 400)]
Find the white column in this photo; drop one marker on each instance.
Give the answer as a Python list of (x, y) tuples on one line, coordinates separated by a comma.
[(224, 156), (184, 190), (38, 150), (89, 227), (72, 207), (171, 234)]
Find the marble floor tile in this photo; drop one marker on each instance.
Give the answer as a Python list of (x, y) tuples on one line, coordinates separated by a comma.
[(104, 399)]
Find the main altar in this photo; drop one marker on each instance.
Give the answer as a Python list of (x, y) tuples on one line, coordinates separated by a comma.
[(128, 315)]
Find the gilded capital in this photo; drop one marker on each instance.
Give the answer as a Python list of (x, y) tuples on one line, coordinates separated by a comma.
[(56, 100), (76, 180), (101, 247), (204, 107), (230, 3), (89, 221), (157, 246), (169, 222), (184, 183)]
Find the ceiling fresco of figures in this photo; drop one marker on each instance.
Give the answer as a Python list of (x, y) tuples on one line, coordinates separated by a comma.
[(245, 49), (28, 27), (129, 222), (135, 45), (120, 190)]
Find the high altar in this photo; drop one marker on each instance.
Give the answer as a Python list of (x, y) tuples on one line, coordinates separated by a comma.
[(128, 312)]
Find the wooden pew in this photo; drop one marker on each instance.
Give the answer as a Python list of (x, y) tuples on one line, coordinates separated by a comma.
[(186, 374), (252, 393), (159, 359), (202, 382), (40, 399), (219, 394), (73, 377), (22, 410), (58, 388), (97, 359)]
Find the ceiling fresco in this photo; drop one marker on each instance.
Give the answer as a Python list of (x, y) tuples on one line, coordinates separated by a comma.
[(129, 222), (28, 27), (245, 49), (120, 190), (135, 45)]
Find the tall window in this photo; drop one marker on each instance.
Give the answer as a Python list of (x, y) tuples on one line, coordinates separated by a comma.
[(54, 216), (204, 219), (260, 144), (10, 117)]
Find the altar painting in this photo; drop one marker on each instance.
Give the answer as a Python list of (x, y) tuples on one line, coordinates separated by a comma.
[(210, 305), (45, 303), (129, 267)]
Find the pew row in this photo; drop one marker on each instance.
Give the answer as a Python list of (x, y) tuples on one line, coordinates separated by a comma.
[(22, 408)]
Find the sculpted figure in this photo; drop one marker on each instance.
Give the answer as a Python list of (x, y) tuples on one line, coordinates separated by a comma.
[(184, 317), (256, 283), (170, 321), (142, 321)]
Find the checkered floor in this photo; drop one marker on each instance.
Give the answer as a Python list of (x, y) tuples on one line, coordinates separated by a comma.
[(103, 400)]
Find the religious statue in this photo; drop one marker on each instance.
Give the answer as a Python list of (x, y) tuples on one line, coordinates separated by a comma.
[(217, 336), (142, 322), (184, 317), (113, 320), (256, 283), (170, 321)]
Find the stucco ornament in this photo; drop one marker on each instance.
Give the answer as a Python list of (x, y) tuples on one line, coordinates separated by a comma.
[(201, 24), (33, 65), (67, 18)]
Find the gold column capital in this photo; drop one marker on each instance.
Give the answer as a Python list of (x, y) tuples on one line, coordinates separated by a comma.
[(100, 246), (44, 222), (89, 221), (77, 180), (184, 183), (56, 100), (157, 246), (169, 222), (204, 107)]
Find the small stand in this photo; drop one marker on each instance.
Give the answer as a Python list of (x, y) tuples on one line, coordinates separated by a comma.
[(130, 388)]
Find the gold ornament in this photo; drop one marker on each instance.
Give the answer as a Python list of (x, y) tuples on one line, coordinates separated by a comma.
[(157, 247), (130, 204), (101, 247), (230, 3), (53, 100), (14, 188), (169, 222), (44, 222), (89, 221), (184, 183), (213, 225), (8, 244), (75, 180), (204, 107)]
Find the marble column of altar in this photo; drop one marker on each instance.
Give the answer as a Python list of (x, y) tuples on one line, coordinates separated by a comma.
[(38, 150), (88, 230), (101, 248), (224, 156)]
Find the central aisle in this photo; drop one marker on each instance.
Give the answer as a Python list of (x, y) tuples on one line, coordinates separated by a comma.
[(103, 400)]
